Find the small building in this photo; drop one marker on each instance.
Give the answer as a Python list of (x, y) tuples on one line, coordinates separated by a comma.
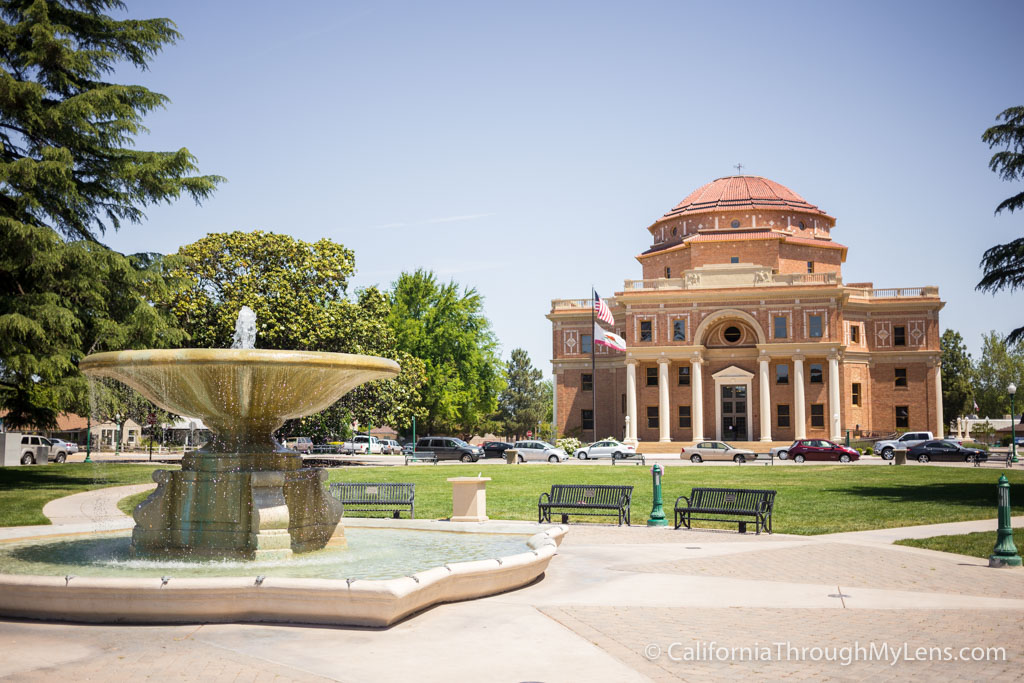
[(742, 328)]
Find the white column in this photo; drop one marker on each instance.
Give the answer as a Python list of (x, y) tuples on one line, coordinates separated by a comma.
[(940, 427), (663, 413), (697, 409), (834, 407), (631, 399), (799, 409), (766, 401)]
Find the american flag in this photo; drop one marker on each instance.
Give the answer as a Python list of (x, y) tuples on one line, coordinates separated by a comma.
[(601, 310)]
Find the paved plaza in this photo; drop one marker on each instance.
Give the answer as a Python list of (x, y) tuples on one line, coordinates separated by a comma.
[(617, 604)]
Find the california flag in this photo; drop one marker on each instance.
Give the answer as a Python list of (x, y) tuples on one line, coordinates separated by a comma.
[(609, 339)]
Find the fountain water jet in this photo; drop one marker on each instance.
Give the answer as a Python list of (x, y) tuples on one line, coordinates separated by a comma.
[(240, 496)]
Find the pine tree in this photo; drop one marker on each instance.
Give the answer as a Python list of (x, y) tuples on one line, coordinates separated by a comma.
[(68, 173), (1003, 264)]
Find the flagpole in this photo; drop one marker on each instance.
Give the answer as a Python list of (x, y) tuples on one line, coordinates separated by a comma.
[(593, 359)]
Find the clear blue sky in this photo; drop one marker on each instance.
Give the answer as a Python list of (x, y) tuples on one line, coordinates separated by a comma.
[(522, 148)]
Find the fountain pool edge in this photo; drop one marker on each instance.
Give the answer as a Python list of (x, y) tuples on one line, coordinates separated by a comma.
[(374, 603)]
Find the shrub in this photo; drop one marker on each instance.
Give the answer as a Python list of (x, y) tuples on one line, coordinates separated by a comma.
[(569, 444), (869, 451)]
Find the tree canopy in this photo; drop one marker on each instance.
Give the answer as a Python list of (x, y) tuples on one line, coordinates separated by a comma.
[(299, 292), (957, 376), (526, 400), (446, 328), (68, 173), (1001, 363), (1003, 264)]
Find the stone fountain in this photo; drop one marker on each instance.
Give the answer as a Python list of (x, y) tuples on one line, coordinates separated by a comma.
[(241, 495)]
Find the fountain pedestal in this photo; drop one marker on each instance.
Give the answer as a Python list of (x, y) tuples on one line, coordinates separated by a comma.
[(239, 499)]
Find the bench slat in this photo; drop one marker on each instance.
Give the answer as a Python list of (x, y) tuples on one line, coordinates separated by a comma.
[(756, 503)]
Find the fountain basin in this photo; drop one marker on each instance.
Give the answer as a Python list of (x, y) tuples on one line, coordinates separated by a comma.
[(360, 602)]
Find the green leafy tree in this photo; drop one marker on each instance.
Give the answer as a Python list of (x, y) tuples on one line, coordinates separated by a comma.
[(299, 292), (521, 405), (68, 173), (445, 327), (1003, 264), (957, 376), (1001, 363)]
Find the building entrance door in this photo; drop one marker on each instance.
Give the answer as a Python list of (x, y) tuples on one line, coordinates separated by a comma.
[(734, 412)]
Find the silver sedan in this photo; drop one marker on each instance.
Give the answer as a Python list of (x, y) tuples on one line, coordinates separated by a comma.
[(716, 450)]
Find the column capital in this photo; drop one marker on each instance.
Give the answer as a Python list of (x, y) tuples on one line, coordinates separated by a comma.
[(632, 361), (763, 356), (834, 354), (696, 358), (799, 356), (664, 361)]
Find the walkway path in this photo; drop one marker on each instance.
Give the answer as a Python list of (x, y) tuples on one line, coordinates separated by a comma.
[(617, 604), (98, 506)]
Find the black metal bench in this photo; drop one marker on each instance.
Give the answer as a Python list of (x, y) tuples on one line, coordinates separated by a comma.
[(376, 497), (635, 459), (421, 456), (727, 505), (576, 499)]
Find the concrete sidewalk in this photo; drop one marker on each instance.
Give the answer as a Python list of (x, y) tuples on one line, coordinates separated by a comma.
[(617, 604)]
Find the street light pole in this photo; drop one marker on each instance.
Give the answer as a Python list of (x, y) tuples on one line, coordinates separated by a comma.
[(1013, 428)]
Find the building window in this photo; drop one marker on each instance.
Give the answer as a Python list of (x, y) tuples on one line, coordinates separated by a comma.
[(817, 414), (652, 417), (587, 382), (678, 330), (645, 331), (782, 374), (652, 377), (668, 272), (684, 376), (587, 418), (732, 334), (734, 259), (781, 331), (899, 335), (735, 223), (810, 266), (586, 343), (855, 393), (902, 417), (684, 417), (854, 334), (901, 377), (816, 374), (782, 411), (814, 325)]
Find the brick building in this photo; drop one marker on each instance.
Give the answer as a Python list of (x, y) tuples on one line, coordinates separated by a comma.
[(743, 329)]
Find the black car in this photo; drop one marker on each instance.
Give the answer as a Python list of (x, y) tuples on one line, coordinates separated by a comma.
[(495, 449), (945, 451), (449, 448)]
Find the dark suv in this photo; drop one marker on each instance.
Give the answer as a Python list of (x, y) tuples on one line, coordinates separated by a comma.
[(449, 448)]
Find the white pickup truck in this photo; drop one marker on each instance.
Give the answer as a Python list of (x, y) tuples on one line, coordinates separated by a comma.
[(886, 448), (362, 444)]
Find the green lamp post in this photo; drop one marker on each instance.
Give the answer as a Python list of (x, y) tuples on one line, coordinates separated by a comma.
[(1005, 552), (657, 511)]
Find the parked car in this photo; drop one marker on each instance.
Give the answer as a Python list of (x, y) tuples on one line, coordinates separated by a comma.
[(449, 448), (361, 444), (908, 440), (36, 450), (821, 449), (716, 450), (609, 448), (409, 448), (781, 452), (67, 446), (302, 444), (495, 449), (539, 451), (390, 447), (942, 450)]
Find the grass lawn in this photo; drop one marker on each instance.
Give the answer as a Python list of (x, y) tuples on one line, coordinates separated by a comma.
[(810, 500), (25, 490), (979, 544)]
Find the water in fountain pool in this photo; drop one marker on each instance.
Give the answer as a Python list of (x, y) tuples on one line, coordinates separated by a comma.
[(371, 554)]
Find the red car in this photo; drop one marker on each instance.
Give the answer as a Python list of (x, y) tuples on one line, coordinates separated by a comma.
[(821, 449)]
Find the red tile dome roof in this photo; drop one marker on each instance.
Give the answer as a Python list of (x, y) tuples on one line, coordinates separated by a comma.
[(742, 192)]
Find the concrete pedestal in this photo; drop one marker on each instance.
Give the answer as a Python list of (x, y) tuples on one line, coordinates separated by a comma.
[(469, 499), (900, 456)]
